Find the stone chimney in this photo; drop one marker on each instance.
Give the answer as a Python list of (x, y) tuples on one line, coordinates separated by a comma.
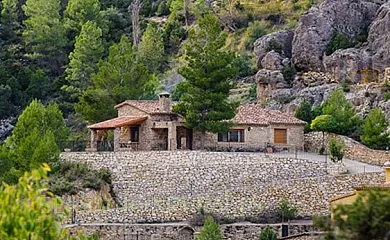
[(164, 101), (387, 171)]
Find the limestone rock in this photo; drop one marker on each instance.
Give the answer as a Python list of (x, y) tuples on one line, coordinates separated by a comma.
[(379, 38), (344, 65), (272, 61), (273, 78), (5, 128), (315, 29), (284, 38)]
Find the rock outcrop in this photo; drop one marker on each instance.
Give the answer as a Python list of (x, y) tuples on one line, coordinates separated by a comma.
[(283, 39), (344, 65), (316, 27), (379, 38)]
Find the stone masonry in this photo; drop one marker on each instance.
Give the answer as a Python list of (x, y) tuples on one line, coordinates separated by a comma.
[(184, 231), (172, 186), (352, 149)]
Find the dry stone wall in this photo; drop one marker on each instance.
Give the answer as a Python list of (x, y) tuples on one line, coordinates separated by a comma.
[(172, 186), (183, 231), (352, 149)]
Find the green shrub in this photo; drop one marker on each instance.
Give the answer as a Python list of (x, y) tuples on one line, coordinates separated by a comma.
[(70, 177), (163, 9), (338, 41), (336, 149), (210, 230), (387, 96), (254, 31), (274, 45), (345, 86), (289, 74), (268, 234), (286, 210), (245, 64)]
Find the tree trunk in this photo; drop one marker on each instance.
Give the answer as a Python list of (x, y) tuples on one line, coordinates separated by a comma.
[(134, 8), (186, 11), (202, 140)]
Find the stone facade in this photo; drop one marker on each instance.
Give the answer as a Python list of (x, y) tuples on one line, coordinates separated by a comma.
[(172, 186), (352, 149), (160, 129), (257, 138), (184, 231)]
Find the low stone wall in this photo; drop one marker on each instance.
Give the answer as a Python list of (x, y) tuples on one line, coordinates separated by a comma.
[(183, 231), (173, 186), (353, 149)]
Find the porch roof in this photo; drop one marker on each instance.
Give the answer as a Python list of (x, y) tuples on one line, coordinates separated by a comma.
[(117, 122)]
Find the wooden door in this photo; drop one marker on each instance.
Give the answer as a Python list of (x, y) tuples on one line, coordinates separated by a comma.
[(280, 136)]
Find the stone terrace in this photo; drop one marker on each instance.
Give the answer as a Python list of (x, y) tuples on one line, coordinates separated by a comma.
[(171, 186)]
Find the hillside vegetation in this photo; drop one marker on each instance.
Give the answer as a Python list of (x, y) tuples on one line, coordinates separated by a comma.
[(66, 51)]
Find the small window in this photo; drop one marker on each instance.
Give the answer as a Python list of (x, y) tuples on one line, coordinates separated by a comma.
[(222, 137), (232, 136), (134, 134), (280, 136)]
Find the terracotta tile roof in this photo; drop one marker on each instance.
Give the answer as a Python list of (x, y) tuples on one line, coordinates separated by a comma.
[(117, 122), (148, 106), (255, 114)]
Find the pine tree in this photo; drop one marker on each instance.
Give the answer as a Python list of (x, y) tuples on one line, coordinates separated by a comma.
[(9, 18), (375, 133), (208, 73), (120, 77), (35, 137), (79, 12), (87, 52), (44, 33), (151, 48), (210, 231), (343, 112), (305, 113)]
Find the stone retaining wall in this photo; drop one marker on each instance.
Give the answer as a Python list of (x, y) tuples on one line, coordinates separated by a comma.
[(353, 149), (183, 231), (172, 186)]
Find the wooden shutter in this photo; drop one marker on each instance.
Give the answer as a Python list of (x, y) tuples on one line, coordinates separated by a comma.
[(280, 136)]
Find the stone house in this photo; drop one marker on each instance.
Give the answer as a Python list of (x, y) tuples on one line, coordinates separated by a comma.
[(151, 125)]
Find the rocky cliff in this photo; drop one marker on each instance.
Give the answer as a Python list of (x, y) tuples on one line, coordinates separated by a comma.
[(365, 26)]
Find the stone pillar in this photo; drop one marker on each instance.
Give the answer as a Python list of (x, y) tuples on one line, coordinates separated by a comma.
[(172, 139), (94, 139), (117, 134)]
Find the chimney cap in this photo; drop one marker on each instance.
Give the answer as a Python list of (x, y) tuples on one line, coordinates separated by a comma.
[(386, 165), (164, 94)]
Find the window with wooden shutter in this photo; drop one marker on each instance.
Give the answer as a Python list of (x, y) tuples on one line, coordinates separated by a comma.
[(280, 136)]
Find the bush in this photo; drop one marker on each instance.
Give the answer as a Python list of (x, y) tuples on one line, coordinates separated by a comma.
[(274, 45), (70, 177), (163, 9), (387, 96), (210, 230), (338, 41), (286, 210), (268, 234), (254, 31), (336, 149), (245, 64), (345, 86), (289, 74)]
